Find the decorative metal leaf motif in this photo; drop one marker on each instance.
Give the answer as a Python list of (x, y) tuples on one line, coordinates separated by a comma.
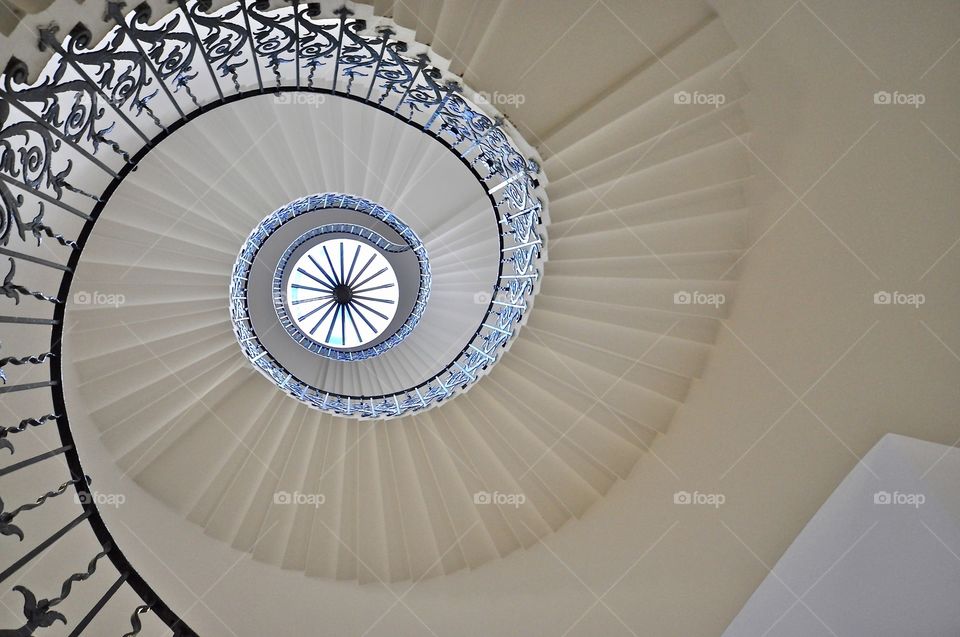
[(318, 41), (273, 38), (223, 40), (36, 613)]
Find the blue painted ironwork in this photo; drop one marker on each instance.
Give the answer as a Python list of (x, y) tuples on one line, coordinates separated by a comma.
[(239, 311)]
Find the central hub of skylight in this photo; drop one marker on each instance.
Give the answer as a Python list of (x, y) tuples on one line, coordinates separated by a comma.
[(342, 293)]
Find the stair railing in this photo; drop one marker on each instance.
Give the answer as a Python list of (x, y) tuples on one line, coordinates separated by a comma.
[(72, 132)]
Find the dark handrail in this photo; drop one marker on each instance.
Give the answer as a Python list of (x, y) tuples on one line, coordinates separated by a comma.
[(418, 77)]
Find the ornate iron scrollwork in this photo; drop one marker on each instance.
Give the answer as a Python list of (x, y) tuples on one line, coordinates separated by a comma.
[(273, 38), (6, 517), (20, 427), (38, 613), (318, 41), (121, 75), (10, 215), (358, 53), (39, 359), (222, 40), (394, 70), (169, 51), (13, 291), (426, 92), (95, 93), (38, 229), (69, 106), (26, 154), (135, 622)]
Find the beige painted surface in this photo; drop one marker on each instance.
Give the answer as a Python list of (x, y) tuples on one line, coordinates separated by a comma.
[(806, 375)]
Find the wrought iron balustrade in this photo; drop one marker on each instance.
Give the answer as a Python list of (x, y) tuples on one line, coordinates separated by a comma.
[(70, 136)]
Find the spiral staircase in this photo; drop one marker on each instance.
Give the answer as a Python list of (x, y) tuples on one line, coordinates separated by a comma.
[(154, 141)]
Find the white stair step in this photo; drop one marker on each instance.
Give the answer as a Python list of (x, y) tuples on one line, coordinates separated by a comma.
[(398, 563), (495, 526), (693, 266), (168, 462), (451, 554), (697, 202), (498, 470), (472, 537), (346, 553), (592, 450), (372, 531), (137, 439), (548, 475), (151, 381), (676, 139), (256, 455), (675, 354), (715, 165), (696, 51), (720, 231), (280, 516), (319, 462), (323, 544), (550, 309), (422, 544)]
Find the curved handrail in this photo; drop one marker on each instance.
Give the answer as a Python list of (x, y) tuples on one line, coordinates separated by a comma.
[(239, 312), (98, 108)]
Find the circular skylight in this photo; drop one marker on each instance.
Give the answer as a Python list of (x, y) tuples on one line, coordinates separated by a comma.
[(329, 275), (342, 293)]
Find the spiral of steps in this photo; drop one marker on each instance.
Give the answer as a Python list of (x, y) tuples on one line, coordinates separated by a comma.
[(646, 212), (583, 414), (603, 363)]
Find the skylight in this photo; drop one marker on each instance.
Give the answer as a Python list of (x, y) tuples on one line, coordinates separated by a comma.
[(342, 293)]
